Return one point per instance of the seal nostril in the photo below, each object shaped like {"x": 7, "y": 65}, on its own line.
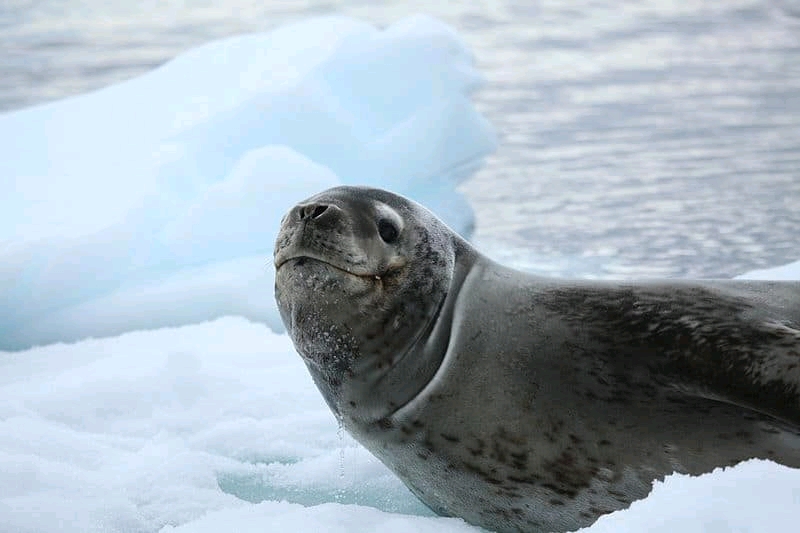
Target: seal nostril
{"x": 318, "y": 210}
{"x": 312, "y": 211}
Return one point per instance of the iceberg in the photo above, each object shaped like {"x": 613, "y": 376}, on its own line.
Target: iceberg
{"x": 155, "y": 202}
{"x": 787, "y": 271}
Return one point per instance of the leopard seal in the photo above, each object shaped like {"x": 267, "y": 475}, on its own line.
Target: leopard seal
{"x": 518, "y": 402}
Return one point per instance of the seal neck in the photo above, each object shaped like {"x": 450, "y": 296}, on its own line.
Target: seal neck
{"x": 374, "y": 394}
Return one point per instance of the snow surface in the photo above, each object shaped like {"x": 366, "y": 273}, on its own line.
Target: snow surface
{"x": 156, "y": 201}
{"x": 126, "y": 212}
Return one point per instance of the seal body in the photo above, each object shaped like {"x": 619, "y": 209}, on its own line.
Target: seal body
{"x": 522, "y": 403}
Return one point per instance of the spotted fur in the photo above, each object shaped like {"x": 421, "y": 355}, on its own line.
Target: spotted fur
{"x": 522, "y": 403}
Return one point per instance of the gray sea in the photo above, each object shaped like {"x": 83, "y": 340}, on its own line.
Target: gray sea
{"x": 638, "y": 138}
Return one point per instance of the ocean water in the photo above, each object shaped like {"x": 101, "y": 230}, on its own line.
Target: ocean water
{"x": 637, "y": 138}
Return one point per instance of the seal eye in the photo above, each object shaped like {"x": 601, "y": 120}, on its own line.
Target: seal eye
{"x": 387, "y": 231}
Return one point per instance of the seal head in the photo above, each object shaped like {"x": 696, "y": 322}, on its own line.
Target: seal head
{"x": 361, "y": 277}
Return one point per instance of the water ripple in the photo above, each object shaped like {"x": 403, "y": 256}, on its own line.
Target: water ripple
{"x": 639, "y": 138}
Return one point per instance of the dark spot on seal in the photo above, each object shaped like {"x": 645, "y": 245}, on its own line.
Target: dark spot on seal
{"x": 478, "y": 449}
{"x": 385, "y": 423}
{"x": 519, "y": 460}
{"x": 556, "y": 501}
{"x": 561, "y": 491}
{"x": 508, "y": 492}
{"x": 490, "y": 476}
{"x": 619, "y": 496}
{"x": 498, "y": 452}
{"x": 530, "y": 479}
{"x": 450, "y": 438}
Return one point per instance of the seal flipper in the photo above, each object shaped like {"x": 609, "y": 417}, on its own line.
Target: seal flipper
{"x": 731, "y": 341}
{"x": 724, "y": 351}
{"x": 763, "y": 376}
{"x": 737, "y": 352}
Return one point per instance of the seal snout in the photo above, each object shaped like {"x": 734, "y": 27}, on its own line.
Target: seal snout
{"x": 306, "y": 230}
{"x": 361, "y": 236}
{"x": 320, "y": 230}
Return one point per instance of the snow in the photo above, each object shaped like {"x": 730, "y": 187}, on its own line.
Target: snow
{"x": 124, "y": 220}
{"x": 162, "y": 427}
{"x": 217, "y": 426}
{"x": 156, "y": 202}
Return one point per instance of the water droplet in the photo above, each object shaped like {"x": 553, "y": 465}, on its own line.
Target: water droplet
{"x": 340, "y": 489}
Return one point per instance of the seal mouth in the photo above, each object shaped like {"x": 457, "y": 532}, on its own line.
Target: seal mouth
{"x": 302, "y": 259}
